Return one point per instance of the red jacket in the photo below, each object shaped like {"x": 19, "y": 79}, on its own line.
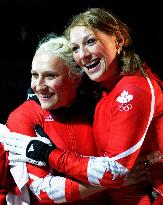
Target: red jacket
{"x": 127, "y": 124}
{"x": 67, "y": 132}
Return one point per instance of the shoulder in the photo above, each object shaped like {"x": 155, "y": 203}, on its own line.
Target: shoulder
{"x": 135, "y": 89}
{"x": 136, "y": 84}
{"x": 24, "y": 118}
{"x": 27, "y": 112}
{"x": 27, "y": 108}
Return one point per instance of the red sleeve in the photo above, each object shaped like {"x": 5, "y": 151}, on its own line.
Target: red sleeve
{"x": 59, "y": 189}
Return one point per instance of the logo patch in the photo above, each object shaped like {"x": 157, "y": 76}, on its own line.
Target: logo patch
{"x": 124, "y": 98}
{"x": 31, "y": 148}
{"x": 49, "y": 118}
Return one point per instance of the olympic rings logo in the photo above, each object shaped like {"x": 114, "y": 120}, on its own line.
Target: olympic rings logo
{"x": 125, "y": 107}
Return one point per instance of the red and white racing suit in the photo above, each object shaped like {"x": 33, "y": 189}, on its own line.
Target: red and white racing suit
{"x": 74, "y": 134}
{"x": 127, "y": 124}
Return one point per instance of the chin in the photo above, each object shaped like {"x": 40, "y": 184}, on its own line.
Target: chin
{"x": 46, "y": 106}
{"x": 95, "y": 78}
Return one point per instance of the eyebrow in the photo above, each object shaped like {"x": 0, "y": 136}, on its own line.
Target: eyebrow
{"x": 84, "y": 38}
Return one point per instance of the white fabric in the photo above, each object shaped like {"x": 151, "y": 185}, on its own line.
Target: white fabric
{"x": 20, "y": 175}
{"x": 53, "y": 186}
{"x": 97, "y": 166}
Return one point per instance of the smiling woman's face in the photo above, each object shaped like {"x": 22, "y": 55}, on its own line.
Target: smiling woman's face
{"x": 96, "y": 52}
{"x": 51, "y": 81}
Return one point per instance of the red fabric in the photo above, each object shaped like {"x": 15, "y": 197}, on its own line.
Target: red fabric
{"x": 6, "y": 180}
{"x": 158, "y": 200}
{"x": 120, "y": 126}
{"x": 73, "y": 135}
{"x": 74, "y": 195}
{"x": 73, "y": 160}
{"x": 3, "y": 197}
{"x": 135, "y": 195}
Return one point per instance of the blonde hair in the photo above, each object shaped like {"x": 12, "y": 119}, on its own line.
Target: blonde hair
{"x": 59, "y": 46}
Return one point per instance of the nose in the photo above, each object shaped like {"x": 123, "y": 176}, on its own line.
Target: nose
{"x": 84, "y": 52}
{"x": 40, "y": 85}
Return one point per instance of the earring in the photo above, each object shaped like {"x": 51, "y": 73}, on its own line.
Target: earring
{"x": 118, "y": 51}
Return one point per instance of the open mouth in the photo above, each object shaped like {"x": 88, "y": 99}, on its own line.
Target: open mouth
{"x": 45, "y": 97}
{"x": 94, "y": 66}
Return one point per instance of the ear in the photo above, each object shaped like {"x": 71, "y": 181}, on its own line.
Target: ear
{"x": 119, "y": 42}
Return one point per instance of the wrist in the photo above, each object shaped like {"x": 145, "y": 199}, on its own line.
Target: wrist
{"x": 46, "y": 154}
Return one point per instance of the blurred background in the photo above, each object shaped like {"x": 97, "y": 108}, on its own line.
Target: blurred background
{"x": 24, "y": 22}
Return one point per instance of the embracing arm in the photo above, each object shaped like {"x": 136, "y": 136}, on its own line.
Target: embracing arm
{"x": 56, "y": 189}
{"x": 124, "y": 142}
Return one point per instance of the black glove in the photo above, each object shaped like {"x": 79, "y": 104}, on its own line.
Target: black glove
{"x": 38, "y": 150}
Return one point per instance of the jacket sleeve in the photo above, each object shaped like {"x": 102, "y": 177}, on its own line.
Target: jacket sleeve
{"x": 131, "y": 114}
{"x": 47, "y": 187}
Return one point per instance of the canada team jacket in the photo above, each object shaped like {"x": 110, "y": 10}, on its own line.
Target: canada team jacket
{"x": 128, "y": 123}
{"x": 74, "y": 134}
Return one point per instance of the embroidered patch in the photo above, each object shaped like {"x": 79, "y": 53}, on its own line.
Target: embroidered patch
{"x": 124, "y": 98}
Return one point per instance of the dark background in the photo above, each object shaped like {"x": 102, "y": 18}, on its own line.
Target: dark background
{"x": 24, "y": 22}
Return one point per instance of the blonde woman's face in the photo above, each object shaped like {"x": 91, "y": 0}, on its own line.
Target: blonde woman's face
{"x": 51, "y": 81}
{"x": 95, "y": 52}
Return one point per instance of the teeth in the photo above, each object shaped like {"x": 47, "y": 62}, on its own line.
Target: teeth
{"x": 93, "y": 61}
{"x": 45, "y": 96}
{"x": 90, "y": 64}
{"x": 94, "y": 64}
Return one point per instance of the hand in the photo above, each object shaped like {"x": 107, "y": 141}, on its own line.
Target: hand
{"x": 139, "y": 173}
{"x": 35, "y": 150}
{"x": 136, "y": 175}
{"x": 150, "y": 159}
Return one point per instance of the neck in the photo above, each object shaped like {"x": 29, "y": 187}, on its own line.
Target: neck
{"x": 110, "y": 82}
